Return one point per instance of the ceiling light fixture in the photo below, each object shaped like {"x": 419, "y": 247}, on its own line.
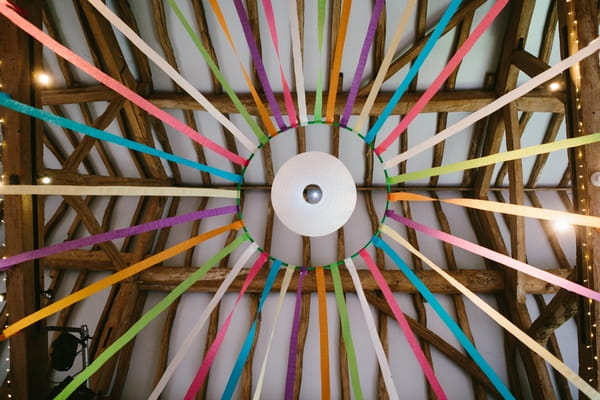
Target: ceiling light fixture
{"x": 43, "y": 78}
{"x": 561, "y": 225}
{"x": 554, "y": 86}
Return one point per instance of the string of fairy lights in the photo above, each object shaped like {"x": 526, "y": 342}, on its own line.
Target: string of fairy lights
{"x": 583, "y": 206}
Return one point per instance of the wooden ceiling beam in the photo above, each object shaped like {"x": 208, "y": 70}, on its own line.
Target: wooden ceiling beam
{"x": 538, "y": 100}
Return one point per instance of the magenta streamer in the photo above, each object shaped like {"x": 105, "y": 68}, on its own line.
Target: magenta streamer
{"x": 498, "y": 257}
{"x": 362, "y": 61}
{"x": 291, "y": 369}
{"x": 260, "y": 68}
{"x": 112, "y": 235}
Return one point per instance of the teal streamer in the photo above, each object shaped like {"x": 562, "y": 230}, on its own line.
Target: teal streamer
{"x": 445, "y": 317}
{"x": 236, "y": 373}
{"x": 34, "y": 112}
{"x": 435, "y": 35}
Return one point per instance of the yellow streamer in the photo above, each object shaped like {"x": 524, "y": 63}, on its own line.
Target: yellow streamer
{"x": 323, "y": 333}
{"x": 506, "y": 208}
{"x": 113, "y": 279}
{"x": 82, "y": 190}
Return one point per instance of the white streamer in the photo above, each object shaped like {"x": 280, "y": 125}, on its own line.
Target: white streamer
{"x": 500, "y": 102}
{"x": 386, "y": 372}
{"x": 191, "y": 337}
{"x": 172, "y": 73}
{"x": 285, "y": 283}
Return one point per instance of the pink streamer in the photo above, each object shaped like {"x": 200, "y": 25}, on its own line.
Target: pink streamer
{"x": 498, "y": 257}
{"x": 118, "y": 87}
{"x": 214, "y": 347}
{"x": 287, "y": 95}
{"x": 410, "y": 336}
{"x": 448, "y": 69}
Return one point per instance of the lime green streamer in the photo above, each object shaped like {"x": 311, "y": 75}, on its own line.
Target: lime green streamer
{"x": 147, "y": 318}
{"x": 215, "y": 69}
{"x": 496, "y": 158}
{"x": 319, "y": 89}
{"x": 346, "y": 334}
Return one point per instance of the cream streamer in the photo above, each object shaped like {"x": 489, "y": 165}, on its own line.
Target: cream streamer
{"x": 82, "y": 190}
{"x": 285, "y": 283}
{"x": 500, "y": 319}
{"x": 297, "y": 58}
{"x": 172, "y": 73}
{"x": 189, "y": 340}
{"x": 514, "y": 94}
{"x": 386, "y": 372}
{"x": 385, "y": 65}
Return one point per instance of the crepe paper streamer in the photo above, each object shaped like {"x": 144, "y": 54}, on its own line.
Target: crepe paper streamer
{"x": 498, "y": 257}
{"x": 113, "y": 279}
{"x": 285, "y": 283}
{"x": 346, "y": 332}
{"x": 441, "y": 78}
{"x": 257, "y": 58}
{"x": 138, "y": 42}
{"x": 84, "y": 190}
{"x": 287, "y": 96}
{"x": 236, "y": 373}
{"x": 5, "y": 263}
{"x": 211, "y": 353}
{"x": 385, "y": 65}
{"x": 149, "y": 317}
{"x": 323, "y": 333}
{"x": 293, "y": 350}
{"x": 497, "y": 104}
{"x": 118, "y": 87}
{"x": 319, "y": 89}
{"x": 334, "y": 73}
{"x": 412, "y": 72}
{"x": 506, "y": 208}
{"x": 384, "y": 366}
{"x": 190, "y": 339}
{"x": 38, "y": 113}
{"x": 404, "y": 326}
{"x": 297, "y": 59}
{"x": 262, "y": 110}
{"x": 500, "y": 319}
{"x": 497, "y": 158}
{"x": 362, "y": 60}
{"x": 217, "y": 72}
{"x": 445, "y": 317}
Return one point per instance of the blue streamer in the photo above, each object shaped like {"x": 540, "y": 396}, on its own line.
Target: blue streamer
{"x": 247, "y": 346}
{"x": 435, "y": 35}
{"x": 453, "y": 326}
{"x": 6, "y": 101}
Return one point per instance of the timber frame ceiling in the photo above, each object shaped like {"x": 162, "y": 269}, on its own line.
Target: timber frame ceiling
{"x": 527, "y": 38}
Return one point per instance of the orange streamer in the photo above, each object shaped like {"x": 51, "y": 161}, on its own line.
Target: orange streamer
{"x": 323, "y": 333}
{"x": 114, "y": 278}
{"x": 334, "y": 78}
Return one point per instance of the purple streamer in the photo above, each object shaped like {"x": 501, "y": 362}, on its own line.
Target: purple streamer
{"x": 362, "y": 61}
{"x": 260, "y": 68}
{"x": 116, "y": 234}
{"x": 291, "y": 369}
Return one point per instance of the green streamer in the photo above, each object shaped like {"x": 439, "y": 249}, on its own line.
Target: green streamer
{"x": 346, "y": 333}
{"x": 319, "y": 90}
{"x": 147, "y": 318}
{"x": 496, "y": 158}
{"x": 215, "y": 69}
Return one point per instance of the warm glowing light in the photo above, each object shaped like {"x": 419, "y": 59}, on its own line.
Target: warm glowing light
{"x": 554, "y": 86}
{"x": 43, "y": 79}
{"x": 561, "y": 225}
{"x": 45, "y": 180}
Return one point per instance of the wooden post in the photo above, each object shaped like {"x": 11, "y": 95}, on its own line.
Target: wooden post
{"x": 22, "y": 155}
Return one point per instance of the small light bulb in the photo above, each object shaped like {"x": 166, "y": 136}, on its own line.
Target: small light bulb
{"x": 561, "y": 225}
{"x": 43, "y": 79}
{"x": 554, "y": 86}
{"x": 45, "y": 180}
